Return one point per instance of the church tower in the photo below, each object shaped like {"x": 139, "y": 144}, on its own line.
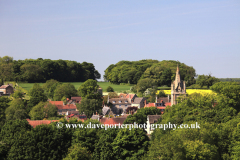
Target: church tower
{"x": 178, "y": 87}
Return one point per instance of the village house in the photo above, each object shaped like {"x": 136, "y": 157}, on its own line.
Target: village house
{"x": 6, "y": 90}
{"x": 62, "y": 108}
{"x": 78, "y": 117}
{"x": 120, "y": 105}
{"x": 138, "y": 102}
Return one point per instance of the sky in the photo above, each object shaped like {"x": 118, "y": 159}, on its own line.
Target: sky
{"x": 204, "y": 34}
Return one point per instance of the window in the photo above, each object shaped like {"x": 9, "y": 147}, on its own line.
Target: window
{"x": 120, "y": 101}
{"x": 113, "y": 101}
{"x": 119, "y": 106}
{"x": 125, "y": 105}
{"x": 126, "y": 101}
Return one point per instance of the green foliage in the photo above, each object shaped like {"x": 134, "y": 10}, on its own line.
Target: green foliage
{"x": 218, "y": 136}
{"x": 163, "y": 72}
{"x": 31, "y": 72}
{"x": 42, "y": 142}
{"x": 229, "y": 94}
{"x": 37, "y": 112}
{"x": 130, "y": 144}
{"x": 87, "y": 137}
{"x": 17, "y": 94}
{"x": 90, "y": 106}
{"x": 206, "y": 80}
{"x": 64, "y": 90}
{"x": 16, "y": 110}
{"x": 185, "y": 143}
{"x": 42, "y": 110}
{"x": 40, "y": 70}
{"x": 144, "y": 84}
{"x": 3, "y": 105}
{"x": 161, "y": 94}
{"x": 109, "y": 89}
{"x": 49, "y": 87}
{"x": 89, "y": 89}
{"x": 77, "y": 152}
{"x": 10, "y": 134}
{"x": 36, "y": 95}
{"x": 103, "y": 148}
{"x": 141, "y": 116}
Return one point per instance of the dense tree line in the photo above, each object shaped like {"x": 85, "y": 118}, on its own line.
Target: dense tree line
{"x": 218, "y": 136}
{"x": 162, "y": 72}
{"x": 40, "y": 70}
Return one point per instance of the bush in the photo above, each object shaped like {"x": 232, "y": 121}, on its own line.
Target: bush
{"x": 110, "y": 89}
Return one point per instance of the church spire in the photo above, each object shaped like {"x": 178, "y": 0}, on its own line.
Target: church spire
{"x": 177, "y": 77}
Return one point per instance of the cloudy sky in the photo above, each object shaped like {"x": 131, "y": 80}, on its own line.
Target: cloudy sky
{"x": 204, "y": 34}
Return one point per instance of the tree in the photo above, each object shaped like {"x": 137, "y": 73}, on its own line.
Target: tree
{"x": 42, "y": 142}
{"x": 207, "y": 80}
{"x": 87, "y": 137}
{"x": 49, "y": 87}
{"x": 89, "y": 89}
{"x": 143, "y": 84}
{"x": 42, "y": 110}
{"x": 130, "y": 144}
{"x": 37, "y": 95}
{"x": 77, "y": 152}
{"x": 67, "y": 89}
{"x": 37, "y": 112}
{"x": 6, "y": 59}
{"x": 6, "y": 71}
{"x": 110, "y": 89}
{"x": 50, "y": 110}
{"x": 228, "y": 94}
{"x": 16, "y": 110}
{"x": 141, "y": 116}
{"x": 3, "y": 105}
{"x": 90, "y": 106}
{"x": 17, "y": 94}
{"x": 31, "y": 72}
{"x": 161, "y": 94}
{"x": 103, "y": 148}
{"x": 10, "y": 134}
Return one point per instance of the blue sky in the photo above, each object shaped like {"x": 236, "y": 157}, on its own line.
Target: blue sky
{"x": 204, "y": 34}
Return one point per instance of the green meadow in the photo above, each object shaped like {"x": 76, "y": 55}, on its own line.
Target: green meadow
{"x": 103, "y": 85}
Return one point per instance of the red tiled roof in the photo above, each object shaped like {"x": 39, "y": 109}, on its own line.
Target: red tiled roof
{"x": 77, "y": 99}
{"x": 112, "y": 121}
{"x": 150, "y": 105}
{"x": 35, "y": 123}
{"x": 67, "y": 106}
{"x": 56, "y": 102}
{"x": 168, "y": 104}
{"x": 122, "y": 95}
{"x": 130, "y": 96}
{"x": 4, "y": 86}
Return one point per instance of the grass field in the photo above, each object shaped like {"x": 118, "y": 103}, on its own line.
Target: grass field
{"x": 103, "y": 85}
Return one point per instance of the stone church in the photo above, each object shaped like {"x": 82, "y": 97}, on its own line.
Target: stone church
{"x": 178, "y": 88}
